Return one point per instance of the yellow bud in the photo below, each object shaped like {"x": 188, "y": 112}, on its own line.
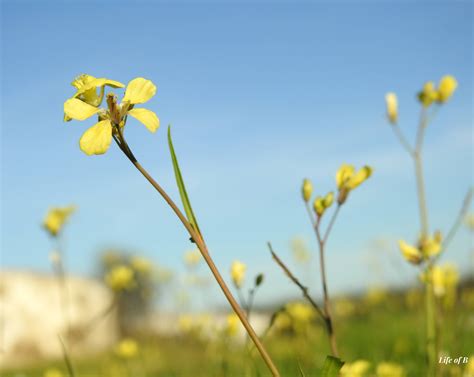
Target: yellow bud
{"x": 232, "y": 325}
{"x": 344, "y": 173}
{"x": 318, "y": 205}
{"x": 410, "y": 253}
{"x": 430, "y": 246}
{"x": 328, "y": 200}
{"x": 356, "y": 179}
{"x": 428, "y": 94}
{"x": 446, "y": 88}
{"x": 392, "y": 107}
{"x": 307, "y": 190}
{"x": 120, "y": 278}
{"x": 237, "y": 273}
{"x": 56, "y": 218}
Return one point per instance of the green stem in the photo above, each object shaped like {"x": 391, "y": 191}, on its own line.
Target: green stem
{"x": 431, "y": 343}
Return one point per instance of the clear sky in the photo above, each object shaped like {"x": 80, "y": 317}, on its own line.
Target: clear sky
{"x": 259, "y": 96}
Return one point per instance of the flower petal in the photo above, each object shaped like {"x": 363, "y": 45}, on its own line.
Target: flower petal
{"x": 139, "y": 90}
{"x": 410, "y": 253}
{"x": 97, "y": 139}
{"x": 147, "y": 117}
{"x": 359, "y": 177}
{"x": 76, "y": 109}
{"x": 344, "y": 173}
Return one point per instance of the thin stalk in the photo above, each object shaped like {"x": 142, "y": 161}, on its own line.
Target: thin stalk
{"x": 420, "y": 183}
{"x": 327, "y": 304}
{"x": 431, "y": 343}
{"x": 196, "y": 237}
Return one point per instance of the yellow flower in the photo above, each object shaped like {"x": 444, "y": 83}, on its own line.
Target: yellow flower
{"x": 386, "y": 369}
{"x": 237, "y": 273}
{"x": 192, "y": 257}
{"x": 444, "y": 278}
{"x": 431, "y": 246}
{"x": 392, "y": 107}
{"x": 120, "y": 278}
{"x": 127, "y": 348}
{"x": 141, "y": 264}
{"x": 410, "y": 253}
{"x": 232, "y": 324}
{"x": 428, "y": 94}
{"x": 446, "y": 88}
{"x": 56, "y": 218}
{"x": 300, "y": 312}
{"x": 185, "y": 323}
{"x": 53, "y": 372}
{"x": 321, "y": 204}
{"x": 358, "y": 368}
{"x": 97, "y": 139}
{"x": 348, "y": 179}
{"x": 469, "y": 369}
{"x": 306, "y": 190}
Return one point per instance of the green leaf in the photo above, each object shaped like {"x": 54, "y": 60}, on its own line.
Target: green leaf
{"x": 182, "y": 189}
{"x": 332, "y": 366}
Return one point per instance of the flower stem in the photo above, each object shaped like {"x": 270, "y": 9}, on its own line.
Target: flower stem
{"x": 196, "y": 237}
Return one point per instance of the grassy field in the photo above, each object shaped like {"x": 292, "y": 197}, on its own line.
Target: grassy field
{"x": 387, "y": 328}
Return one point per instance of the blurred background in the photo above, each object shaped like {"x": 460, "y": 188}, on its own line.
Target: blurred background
{"x": 259, "y": 97}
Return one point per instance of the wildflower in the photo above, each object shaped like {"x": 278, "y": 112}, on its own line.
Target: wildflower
{"x": 300, "y": 250}
{"x": 127, "y": 348}
{"x": 232, "y": 324}
{"x": 307, "y": 190}
{"x": 87, "y": 85}
{"x": 185, "y": 323}
{"x": 192, "y": 257}
{"x": 321, "y": 204}
{"x": 446, "y": 88}
{"x": 348, "y": 179}
{"x": 53, "y": 372}
{"x": 358, "y": 368}
{"x": 444, "y": 278}
{"x": 56, "y": 218}
{"x": 387, "y": 369}
{"x": 120, "y": 278}
{"x": 469, "y": 368}
{"x": 426, "y": 248}
{"x": 428, "y": 94}
{"x": 97, "y": 139}
{"x": 141, "y": 265}
{"x": 237, "y": 273}
{"x": 343, "y": 307}
{"x": 300, "y": 312}
{"x": 392, "y": 107}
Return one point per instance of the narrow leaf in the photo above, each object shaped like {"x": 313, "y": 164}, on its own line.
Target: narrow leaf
{"x": 182, "y": 189}
{"x": 301, "y": 370}
{"x": 332, "y": 366}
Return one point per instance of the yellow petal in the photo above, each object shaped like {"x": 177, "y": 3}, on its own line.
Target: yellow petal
{"x": 76, "y": 109}
{"x": 328, "y": 200}
{"x": 428, "y": 95}
{"x": 139, "y": 90}
{"x": 446, "y": 88}
{"x": 344, "y": 173}
{"x": 409, "y": 252}
{"x": 147, "y": 117}
{"x": 392, "y": 107}
{"x": 359, "y": 177}
{"x": 318, "y": 205}
{"x": 97, "y": 139}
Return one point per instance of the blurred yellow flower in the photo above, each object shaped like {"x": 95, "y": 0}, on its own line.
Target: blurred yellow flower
{"x": 469, "y": 368}
{"x": 192, "y": 257}
{"x": 322, "y": 203}
{"x": 185, "y": 323}
{"x": 53, "y": 372}
{"x": 232, "y": 324}
{"x": 387, "y": 369}
{"x": 348, "y": 179}
{"x": 392, "y": 107}
{"x": 376, "y": 295}
{"x": 444, "y": 277}
{"x": 358, "y": 368}
{"x": 120, "y": 277}
{"x": 97, "y": 139}
{"x": 410, "y": 253}
{"x": 300, "y": 312}
{"x": 56, "y": 218}
{"x": 344, "y": 307}
{"x": 446, "y": 88}
{"x": 127, "y": 348}
{"x": 306, "y": 190}
{"x": 428, "y": 94}
{"x": 237, "y": 273}
{"x": 141, "y": 264}
{"x": 299, "y": 250}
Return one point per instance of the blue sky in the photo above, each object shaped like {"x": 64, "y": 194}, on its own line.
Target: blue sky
{"x": 259, "y": 96}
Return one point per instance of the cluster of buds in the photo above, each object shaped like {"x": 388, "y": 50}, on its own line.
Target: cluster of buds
{"x": 426, "y": 248}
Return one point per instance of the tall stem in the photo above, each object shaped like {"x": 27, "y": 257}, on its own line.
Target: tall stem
{"x": 196, "y": 237}
{"x": 322, "y": 265}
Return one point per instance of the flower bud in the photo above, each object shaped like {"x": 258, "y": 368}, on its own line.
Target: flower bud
{"x": 392, "y": 107}
{"x": 307, "y": 190}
